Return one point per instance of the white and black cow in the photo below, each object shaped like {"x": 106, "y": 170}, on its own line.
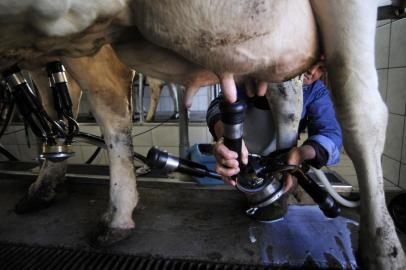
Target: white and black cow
{"x": 196, "y": 43}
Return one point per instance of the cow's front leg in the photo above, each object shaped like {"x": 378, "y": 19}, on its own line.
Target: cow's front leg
{"x": 155, "y": 88}
{"x": 42, "y": 192}
{"x": 117, "y": 222}
{"x": 108, "y": 83}
{"x": 348, "y": 32}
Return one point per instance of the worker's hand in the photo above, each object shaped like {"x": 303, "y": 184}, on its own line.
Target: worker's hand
{"x": 315, "y": 72}
{"x": 296, "y": 156}
{"x": 226, "y": 161}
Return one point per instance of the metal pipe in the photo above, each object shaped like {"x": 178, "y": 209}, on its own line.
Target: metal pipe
{"x": 183, "y": 124}
{"x": 141, "y": 96}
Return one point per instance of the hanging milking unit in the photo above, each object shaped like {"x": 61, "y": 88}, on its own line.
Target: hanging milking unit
{"x": 56, "y": 135}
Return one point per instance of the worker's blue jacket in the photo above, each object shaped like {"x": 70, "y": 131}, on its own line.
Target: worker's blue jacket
{"x": 318, "y": 116}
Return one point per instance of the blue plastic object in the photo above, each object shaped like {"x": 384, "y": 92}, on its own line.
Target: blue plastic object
{"x": 197, "y": 155}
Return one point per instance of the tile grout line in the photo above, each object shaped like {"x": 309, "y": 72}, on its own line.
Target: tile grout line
{"x": 391, "y": 158}
{"x": 390, "y": 35}
{"x": 391, "y": 67}
{"x": 386, "y": 179}
{"x": 387, "y": 84}
{"x": 402, "y": 146}
{"x": 387, "y": 90}
{"x": 395, "y": 113}
{"x": 387, "y": 71}
{"x": 384, "y": 24}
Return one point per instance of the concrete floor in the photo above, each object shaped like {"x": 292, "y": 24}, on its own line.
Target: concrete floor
{"x": 185, "y": 221}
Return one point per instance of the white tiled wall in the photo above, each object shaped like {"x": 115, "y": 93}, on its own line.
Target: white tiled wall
{"x": 142, "y": 139}
{"x": 382, "y": 46}
{"x": 383, "y": 82}
{"x": 394, "y": 136}
{"x": 83, "y": 151}
{"x": 15, "y": 142}
{"x": 347, "y": 171}
{"x": 167, "y": 137}
{"x": 390, "y": 169}
{"x": 396, "y": 95}
{"x": 397, "y": 44}
{"x": 404, "y": 146}
{"x": 391, "y": 65}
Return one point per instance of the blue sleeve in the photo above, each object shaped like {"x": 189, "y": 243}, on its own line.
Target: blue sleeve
{"x": 323, "y": 126}
{"x": 213, "y": 114}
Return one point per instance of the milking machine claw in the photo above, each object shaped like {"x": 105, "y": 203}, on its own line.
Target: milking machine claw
{"x": 261, "y": 181}
{"x": 56, "y": 135}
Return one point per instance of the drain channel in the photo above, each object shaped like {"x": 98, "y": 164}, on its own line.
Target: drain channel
{"x": 21, "y": 256}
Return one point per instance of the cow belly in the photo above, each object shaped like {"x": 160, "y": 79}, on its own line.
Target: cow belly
{"x": 148, "y": 58}
{"x": 242, "y": 37}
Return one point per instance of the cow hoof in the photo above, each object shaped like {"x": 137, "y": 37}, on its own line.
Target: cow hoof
{"x": 107, "y": 236}
{"x": 31, "y": 203}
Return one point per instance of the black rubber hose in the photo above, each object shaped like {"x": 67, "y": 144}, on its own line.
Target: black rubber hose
{"x": 93, "y": 156}
{"x": 7, "y": 154}
{"x": 9, "y": 116}
{"x": 326, "y": 203}
{"x": 92, "y": 139}
{"x": 140, "y": 157}
{"x": 98, "y": 141}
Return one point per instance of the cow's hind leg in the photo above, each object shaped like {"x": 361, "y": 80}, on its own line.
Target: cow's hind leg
{"x": 348, "y": 29}
{"x": 108, "y": 83}
{"x": 42, "y": 192}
